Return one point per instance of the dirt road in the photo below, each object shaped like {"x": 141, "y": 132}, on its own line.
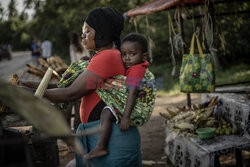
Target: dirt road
{"x": 153, "y": 133}
{"x": 9, "y": 67}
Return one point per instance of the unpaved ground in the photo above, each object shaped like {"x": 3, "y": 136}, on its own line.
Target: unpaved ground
{"x": 15, "y": 65}
{"x": 152, "y": 134}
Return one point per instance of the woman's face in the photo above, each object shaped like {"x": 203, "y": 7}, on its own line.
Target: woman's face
{"x": 88, "y": 36}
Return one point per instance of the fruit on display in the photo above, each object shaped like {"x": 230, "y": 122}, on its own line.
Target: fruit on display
{"x": 188, "y": 119}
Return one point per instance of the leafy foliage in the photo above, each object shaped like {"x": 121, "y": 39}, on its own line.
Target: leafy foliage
{"x": 56, "y": 20}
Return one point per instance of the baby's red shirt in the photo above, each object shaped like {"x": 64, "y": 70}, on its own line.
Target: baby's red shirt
{"x": 135, "y": 73}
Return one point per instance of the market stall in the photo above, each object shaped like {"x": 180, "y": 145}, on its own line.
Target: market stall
{"x": 229, "y": 118}
{"x": 184, "y": 147}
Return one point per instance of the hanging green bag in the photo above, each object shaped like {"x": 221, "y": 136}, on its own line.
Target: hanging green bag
{"x": 197, "y": 72}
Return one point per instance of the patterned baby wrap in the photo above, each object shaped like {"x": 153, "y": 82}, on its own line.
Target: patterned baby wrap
{"x": 115, "y": 92}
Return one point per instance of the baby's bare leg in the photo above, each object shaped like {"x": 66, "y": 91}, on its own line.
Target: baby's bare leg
{"x": 101, "y": 148}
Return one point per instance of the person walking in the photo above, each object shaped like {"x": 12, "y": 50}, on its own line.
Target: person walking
{"x": 35, "y": 51}
{"x": 46, "y": 49}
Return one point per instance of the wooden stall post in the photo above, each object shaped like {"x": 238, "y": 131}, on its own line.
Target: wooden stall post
{"x": 180, "y": 20}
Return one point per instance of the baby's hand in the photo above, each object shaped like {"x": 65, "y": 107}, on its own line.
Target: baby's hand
{"x": 124, "y": 123}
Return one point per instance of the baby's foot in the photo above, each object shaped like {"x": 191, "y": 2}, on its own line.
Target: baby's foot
{"x": 96, "y": 152}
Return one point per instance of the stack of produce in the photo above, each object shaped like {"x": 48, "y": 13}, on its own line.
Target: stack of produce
{"x": 188, "y": 119}
{"x": 54, "y": 62}
{"x": 14, "y": 80}
{"x": 224, "y": 128}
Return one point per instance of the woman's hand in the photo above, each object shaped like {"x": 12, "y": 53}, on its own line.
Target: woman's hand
{"x": 125, "y": 123}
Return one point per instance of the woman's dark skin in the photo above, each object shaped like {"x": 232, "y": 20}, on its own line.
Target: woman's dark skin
{"x": 34, "y": 85}
{"x": 78, "y": 88}
{"x": 75, "y": 91}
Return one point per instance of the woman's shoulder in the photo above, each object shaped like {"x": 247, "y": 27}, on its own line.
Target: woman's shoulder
{"x": 108, "y": 55}
{"x": 110, "y": 52}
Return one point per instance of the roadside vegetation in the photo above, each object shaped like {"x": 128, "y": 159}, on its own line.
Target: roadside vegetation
{"x": 228, "y": 34}
{"x": 235, "y": 73}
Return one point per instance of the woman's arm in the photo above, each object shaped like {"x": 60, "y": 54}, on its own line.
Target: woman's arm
{"x": 83, "y": 84}
{"x": 132, "y": 95}
{"x": 34, "y": 85}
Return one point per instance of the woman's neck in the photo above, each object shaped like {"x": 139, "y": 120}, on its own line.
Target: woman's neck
{"x": 109, "y": 46}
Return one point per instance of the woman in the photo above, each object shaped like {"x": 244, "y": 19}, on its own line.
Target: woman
{"x": 102, "y": 28}
{"x": 77, "y": 51}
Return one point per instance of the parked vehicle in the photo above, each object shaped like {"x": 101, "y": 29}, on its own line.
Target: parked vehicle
{"x": 5, "y": 52}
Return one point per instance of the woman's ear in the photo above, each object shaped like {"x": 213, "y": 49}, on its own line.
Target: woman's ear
{"x": 145, "y": 56}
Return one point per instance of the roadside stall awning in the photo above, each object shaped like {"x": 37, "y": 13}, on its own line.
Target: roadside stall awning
{"x": 156, "y": 6}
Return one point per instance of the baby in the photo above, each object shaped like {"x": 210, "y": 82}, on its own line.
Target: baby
{"x": 134, "y": 51}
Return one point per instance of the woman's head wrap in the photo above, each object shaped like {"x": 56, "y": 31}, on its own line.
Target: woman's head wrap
{"x": 108, "y": 25}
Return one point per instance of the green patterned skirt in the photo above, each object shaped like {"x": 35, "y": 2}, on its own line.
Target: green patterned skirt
{"x": 114, "y": 93}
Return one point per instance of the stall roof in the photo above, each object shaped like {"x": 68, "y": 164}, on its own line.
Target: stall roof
{"x": 156, "y": 6}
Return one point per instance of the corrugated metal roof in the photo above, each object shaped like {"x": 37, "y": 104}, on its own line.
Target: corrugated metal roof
{"x": 156, "y": 6}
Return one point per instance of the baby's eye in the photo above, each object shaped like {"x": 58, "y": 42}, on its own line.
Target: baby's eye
{"x": 132, "y": 54}
{"x": 123, "y": 54}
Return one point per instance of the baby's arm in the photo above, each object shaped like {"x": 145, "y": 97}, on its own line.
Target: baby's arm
{"x": 132, "y": 95}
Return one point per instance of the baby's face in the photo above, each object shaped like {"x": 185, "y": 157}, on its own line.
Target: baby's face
{"x": 88, "y": 36}
{"x": 131, "y": 53}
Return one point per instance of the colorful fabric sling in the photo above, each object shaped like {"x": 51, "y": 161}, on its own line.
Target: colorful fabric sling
{"x": 114, "y": 92}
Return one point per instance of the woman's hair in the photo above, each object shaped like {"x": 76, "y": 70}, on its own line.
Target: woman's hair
{"x": 136, "y": 37}
{"x": 76, "y": 41}
{"x": 108, "y": 25}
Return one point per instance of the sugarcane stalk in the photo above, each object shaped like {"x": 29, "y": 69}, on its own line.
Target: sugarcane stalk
{"x": 44, "y": 83}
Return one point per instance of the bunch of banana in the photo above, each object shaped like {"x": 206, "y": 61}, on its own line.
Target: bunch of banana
{"x": 224, "y": 128}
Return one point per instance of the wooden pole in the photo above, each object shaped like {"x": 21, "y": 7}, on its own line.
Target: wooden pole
{"x": 180, "y": 20}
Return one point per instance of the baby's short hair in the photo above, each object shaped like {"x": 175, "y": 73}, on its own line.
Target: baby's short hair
{"x": 136, "y": 37}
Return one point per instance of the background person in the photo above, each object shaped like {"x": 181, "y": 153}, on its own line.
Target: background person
{"x": 35, "y": 51}
{"x": 46, "y": 47}
{"x": 77, "y": 51}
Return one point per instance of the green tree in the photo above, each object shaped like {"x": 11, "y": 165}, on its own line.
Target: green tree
{"x": 12, "y": 9}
